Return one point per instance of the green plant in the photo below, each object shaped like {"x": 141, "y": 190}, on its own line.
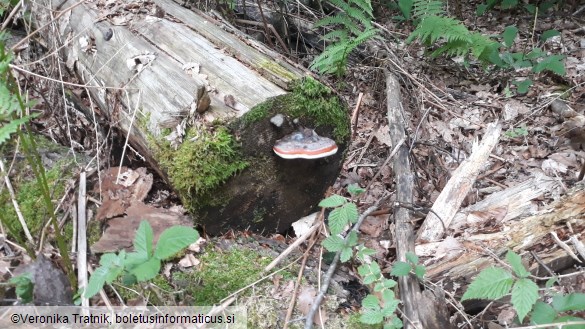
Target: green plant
{"x": 144, "y": 263}
{"x": 354, "y": 28}
{"x": 494, "y": 283}
{"x": 511, "y": 4}
{"x": 24, "y": 287}
{"x": 381, "y": 306}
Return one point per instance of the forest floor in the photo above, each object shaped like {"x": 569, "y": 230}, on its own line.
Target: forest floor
{"x": 448, "y": 101}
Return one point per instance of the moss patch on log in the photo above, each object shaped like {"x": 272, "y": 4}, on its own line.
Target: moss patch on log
{"x": 205, "y": 160}
{"x": 310, "y": 100}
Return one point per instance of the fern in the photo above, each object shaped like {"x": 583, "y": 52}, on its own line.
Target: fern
{"x": 353, "y": 26}
{"x": 425, "y": 8}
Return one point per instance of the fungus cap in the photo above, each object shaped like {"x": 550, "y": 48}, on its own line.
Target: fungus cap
{"x": 304, "y": 144}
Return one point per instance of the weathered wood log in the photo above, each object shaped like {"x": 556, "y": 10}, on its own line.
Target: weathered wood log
{"x": 196, "y": 99}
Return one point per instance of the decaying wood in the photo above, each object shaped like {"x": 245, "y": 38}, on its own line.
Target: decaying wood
{"x": 456, "y": 189}
{"x": 477, "y": 251}
{"x": 155, "y": 67}
{"x": 421, "y": 309}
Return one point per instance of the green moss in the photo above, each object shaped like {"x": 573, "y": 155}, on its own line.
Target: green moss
{"x": 221, "y": 274}
{"x": 30, "y": 201}
{"x": 200, "y": 164}
{"x": 277, "y": 69}
{"x": 309, "y": 99}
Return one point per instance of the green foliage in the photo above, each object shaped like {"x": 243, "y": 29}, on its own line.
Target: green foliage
{"x": 451, "y": 38}
{"x": 494, "y": 283}
{"x": 10, "y": 105}
{"x": 353, "y": 27}
{"x": 143, "y": 263}
{"x": 375, "y": 310}
{"x": 23, "y": 287}
{"x": 512, "y": 4}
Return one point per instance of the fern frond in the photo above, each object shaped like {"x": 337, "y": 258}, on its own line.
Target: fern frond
{"x": 453, "y": 48}
{"x": 365, "y": 36}
{"x": 425, "y": 8}
{"x": 11, "y": 127}
{"x": 482, "y": 46}
{"x": 341, "y": 19}
{"x": 336, "y": 35}
{"x": 432, "y": 28}
{"x": 358, "y": 15}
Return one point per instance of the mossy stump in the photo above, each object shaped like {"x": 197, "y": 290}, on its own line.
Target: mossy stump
{"x": 229, "y": 177}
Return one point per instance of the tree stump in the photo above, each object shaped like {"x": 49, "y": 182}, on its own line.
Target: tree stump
{"x": 196, "y": 98}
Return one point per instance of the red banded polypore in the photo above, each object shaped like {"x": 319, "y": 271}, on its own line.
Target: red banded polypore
{"x": 304, "y": 144}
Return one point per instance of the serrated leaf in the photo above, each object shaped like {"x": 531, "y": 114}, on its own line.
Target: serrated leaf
{"x": 371, "y": 302}
{"x": 516, "y": 262}
{"x": 492, "y": 283}
{"x": 354, "y": 189}
{"x": 400, "y": 269}
{"x": 143, "y": 240}
{"x": 411, "y": 257}
{"x": 522, "y": 86}
{"x": 388, "y": 295}
{"x": 346, "y": 254}
{"x": 372, "y": 317}
{"x": 419, "y": 271}
{"x": 334, "y": 243}
{"x": 337, "y": 223}
{"x": 390, "y": 307}
{"x": 524, "y": 295}
{"x": 384, "y": 284}
{"x": 147, "y": 270}
{"x": 174, "y": 239}
{"x": 570, "y": 302}
{"x": 96, "y": 281}
{"x": 549, "y": 34}
{"x": 349, "y": 212}
{"x": 551, "y": 63}
{"x": 542, "y": 313}
{"x": 509, "y": 34}
{"x": 332, "y": 201}
{"x": 363, "y": 252}
{"x": 352, "y": 238}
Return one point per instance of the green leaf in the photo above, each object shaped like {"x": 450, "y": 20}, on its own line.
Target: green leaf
{"x": 337, "y": 221}
{"x": 96, "y": 281}
{"x": 551, "y": 282}
{"x": 390, "y": 307}
{"x": 355, "y": 190}
{"x": 363, "y": 252}
{"x": 385, "y": 284}
{"x": 516, "y": 262}
{"x": 173, "y": 240}
{"x": 552, "y": 63}
{"x": 346, "y": 254}
{"x": 570, "y": 302}
{"x": 481, "y": 9}
{"x": 542, "y": 313}
{"x": 371, "y": 302}
{"x": 411, "y": 257}
{"x": 549, "y": 34}
{"x": 492, "y": 283}
{"x": 522, "y": 86}
{"x": 332, "y": 201}
{"x": 509, "y": 4}
{"x": 419, "y": 271}
{"x": 372, "y": 317}
{"x": 11, "y": 127}
{"x": 143, "y": 240}
{"x": 406, "y": 7}
{"x": 400, "y": 269}
{"x": 509, "y": 34}
{"x": 24, "y": 287}
{"x": 349, "y": 212}
{"x": 147, "y": 270}
{"x": 570, "y": 318}
{"x": 524, "y": 295}
{"x": 334, "y": 243}
{"x": 352, "y": 239}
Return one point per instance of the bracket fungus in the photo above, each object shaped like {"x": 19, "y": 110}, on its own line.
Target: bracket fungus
{"x": 304, "y": 144}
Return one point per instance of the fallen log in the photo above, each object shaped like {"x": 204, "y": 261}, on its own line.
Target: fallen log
{"x": 205, "y": 107}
